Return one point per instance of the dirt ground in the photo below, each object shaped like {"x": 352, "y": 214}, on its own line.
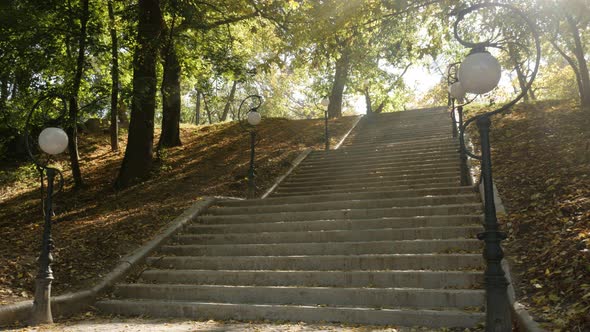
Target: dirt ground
{"x": 96, "y": 225}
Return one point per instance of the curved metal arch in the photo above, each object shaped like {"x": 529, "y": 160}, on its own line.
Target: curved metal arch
{"x": 532, "y": 27}
{"x": 255, "y": 108}
{"x": 60, "y": 119}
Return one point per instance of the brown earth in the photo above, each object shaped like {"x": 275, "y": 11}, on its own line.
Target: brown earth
{"x": 97, "y": 225}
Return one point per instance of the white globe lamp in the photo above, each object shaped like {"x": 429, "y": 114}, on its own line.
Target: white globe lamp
{"x": 480, "y": 72}
{"x": 325, "y": 101}
{"x": 53, "y": 140}
{"x": 457, "y": 91}
{"x": 254, "y": 118}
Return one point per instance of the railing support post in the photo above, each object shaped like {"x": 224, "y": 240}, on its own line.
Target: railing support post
{"x": 42, "y": 303}
{"x": 251, "y": 183}
{"x": 326, "y": 133}
{"x": 454, "y": 118}
{"x": 462, "y": 151}
{"x": 497, "y": 303}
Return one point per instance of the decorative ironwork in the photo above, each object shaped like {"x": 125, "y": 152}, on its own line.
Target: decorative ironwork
{"x": 245, "y": 123}
{"x": 497, "y": 304}
{"x": 42, "y": 303}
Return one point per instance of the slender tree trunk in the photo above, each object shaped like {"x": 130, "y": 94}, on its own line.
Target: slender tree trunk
{"x": 519, "y": 73}
{"x": 73, "y": 112}
{"x": 572, "y": 64}
{"x": 171, "y": 104}
{"x": 115, "y": 80}
{"x": 230, "y": 99}
{"x": 170, "y": 135}
{"x": 207, "y": 110}
{"x": 198, "y": 109}
{"x": 582, "y": 65}
{"x": 137, "y": 162}
{"x": 368, "y": 102}
{"x": 340, "y": 78}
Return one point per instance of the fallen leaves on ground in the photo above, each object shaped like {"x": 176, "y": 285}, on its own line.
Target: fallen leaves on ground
{"x": 97, "y": 225}
{"x": 541, "y": 165}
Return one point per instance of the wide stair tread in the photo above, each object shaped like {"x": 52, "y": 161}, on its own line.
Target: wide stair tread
{"x": 378, "y": 232}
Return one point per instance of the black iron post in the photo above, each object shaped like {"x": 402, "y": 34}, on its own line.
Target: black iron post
{"x": 498, "y": 313}
{"x": 248, "y": 121}
{"x": 326, "y": 133}
{"x": 497, "y": 303}
{"x": 41, "y": 304}
{"x": 454, "y": 118}
{"x": 251, "y": 175}
{"x": 465, "y": 179}
{"x": 41, "y": 313}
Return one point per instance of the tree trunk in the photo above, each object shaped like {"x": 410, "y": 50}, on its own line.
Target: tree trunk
{"x": 115, "y": 80}
{"x": 207, "y": 110}
{"x": 519, "y": 73}
{"x": 137, "y": 162}
{"x": 368, "y": 102}
{"x": 582, "y": 65}
{"x": 340, "y": 78}
{"x": 572, "y": 64}
{"x": 170, "y": 135}
{"x": 198, "y": 109}
{"x": 73, "y": 112}
{"x": 230, "y": 99}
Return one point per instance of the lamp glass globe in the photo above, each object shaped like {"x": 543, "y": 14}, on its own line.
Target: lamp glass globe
{"x": 53, "y": 140}
{"x": 254, "y": 118}
{"x": 325, "y": 101}
{"x": 479, "y": 73}
{"x": 457, "y": 90}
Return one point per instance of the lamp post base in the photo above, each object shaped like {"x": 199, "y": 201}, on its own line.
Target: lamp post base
{"x": 41, "y": 313}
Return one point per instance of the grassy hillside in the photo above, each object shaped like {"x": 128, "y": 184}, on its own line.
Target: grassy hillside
{"x": 97, "y": 225}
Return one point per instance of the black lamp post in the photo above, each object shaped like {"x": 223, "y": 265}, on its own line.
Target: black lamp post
{"x": 480, "y": 73}
{"x": 253, "y": 118}
{"x": 325, "y": 103}
{"x": 52, "y": 141}
{"x": 457, "y": 96}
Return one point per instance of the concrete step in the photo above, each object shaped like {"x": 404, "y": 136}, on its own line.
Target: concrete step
{"x": 344, "y": 214}
{"x": 328, "y": 248}
{"x": 312, "y": 313}
{"x": 345, "y": 197}
{"x": 407, "y": 144}
{"x": 401, "y": 138}
{"x": 349, "y": 204}
{"x": 364, "y": 297}
{"x": 382, "y": 149}
{"x": 285, "y": 193}
{"x": 372, "y": 178}
{"x": 402, "y": 135}
{"x": 368, "y": 279}
{"x": 382, "y": 234}
{"x": 449, "y": 179}
{"x": 367, "y": 173}
{"x": 439, "y": 262}
{"x": 361, "y": 166}
{"x": 410, "y": 156}
{"x": 317, "y": 225}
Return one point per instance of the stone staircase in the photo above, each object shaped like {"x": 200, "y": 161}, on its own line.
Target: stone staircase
{"x": 376, "y": 232}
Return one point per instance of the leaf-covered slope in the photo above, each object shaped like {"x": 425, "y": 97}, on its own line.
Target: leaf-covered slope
{"x": 97, "y": 225}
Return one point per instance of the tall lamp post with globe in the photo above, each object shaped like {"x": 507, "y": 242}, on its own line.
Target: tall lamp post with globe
{"x": 52, "y": 141}
{"x": 325, "y": 102}
{"x": 252, "y": 119}
{"x": 480, "y": 73}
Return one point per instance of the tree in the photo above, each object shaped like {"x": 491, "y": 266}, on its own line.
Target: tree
{"x": 137, "y": 161}
{"x": 114, "y": 78}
